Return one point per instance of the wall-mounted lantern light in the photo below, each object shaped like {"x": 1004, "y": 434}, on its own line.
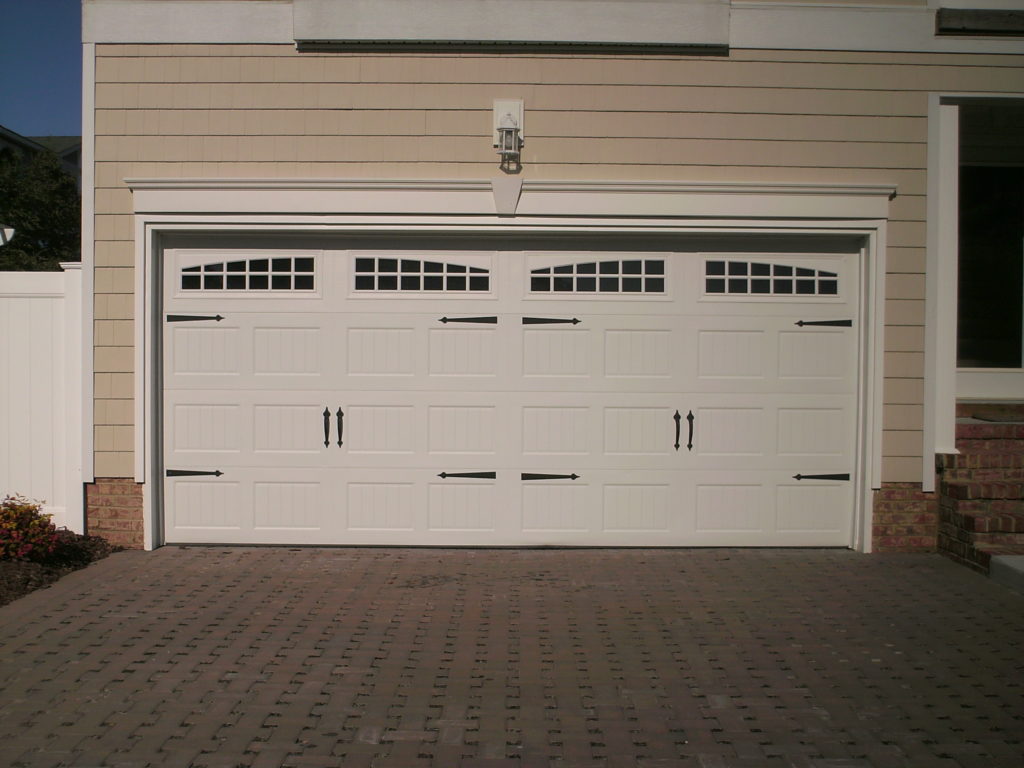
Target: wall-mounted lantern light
{"x": 508, "y": 133}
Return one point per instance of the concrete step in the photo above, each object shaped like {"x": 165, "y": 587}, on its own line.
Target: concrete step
{"x": 976, "y": 556}
{"x": 1008, "y": 570}
{"x": 973, "y": 489}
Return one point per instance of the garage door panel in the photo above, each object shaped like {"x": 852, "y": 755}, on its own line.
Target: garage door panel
{"x": 246, "y": 349}
{"x": 788, "y": 432}
{"x": 251, "y": 505}
{"x": 548, "y": 409}
{"x": 769, "y": 509}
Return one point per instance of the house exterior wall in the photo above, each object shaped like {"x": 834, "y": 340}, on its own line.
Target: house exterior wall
{"x": 267, "y": 111}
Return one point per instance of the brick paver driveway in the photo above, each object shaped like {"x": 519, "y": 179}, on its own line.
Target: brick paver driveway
{"x": 474, "y": 658}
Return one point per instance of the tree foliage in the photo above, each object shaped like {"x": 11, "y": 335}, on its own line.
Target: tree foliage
{"x": 41, "y": 202}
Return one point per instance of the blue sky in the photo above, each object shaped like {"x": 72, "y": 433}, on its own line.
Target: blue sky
{"x": 41, "y": 67}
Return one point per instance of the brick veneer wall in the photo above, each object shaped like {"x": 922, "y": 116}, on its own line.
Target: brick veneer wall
{"x": 906, "y": 519}
{"x": 113, "y": 510}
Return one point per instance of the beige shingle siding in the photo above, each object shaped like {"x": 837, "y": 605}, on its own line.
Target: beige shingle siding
{"x": 267, "y": 111}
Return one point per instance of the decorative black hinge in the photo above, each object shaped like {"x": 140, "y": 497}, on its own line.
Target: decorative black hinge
{"x": 489, "y": 320}
{"x": 474, "y": 475}
{"x": 550, "y": 320}
{"x": 822, "y": 477}
{"x": 192, "y": 318}
{"x": 835, "y": 323}
{"x": 192, "y": 473}
{"x": 534, "y": 476}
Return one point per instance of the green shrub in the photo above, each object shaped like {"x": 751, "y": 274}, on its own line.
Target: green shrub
{"x": 26, "y": 532}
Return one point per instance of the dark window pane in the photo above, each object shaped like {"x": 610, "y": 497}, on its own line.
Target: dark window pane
{"x": 563, "y": 284}
{"x": 654, "y": 285}
{"x": 609, "y": 268}
{"x": 632, "y": 267}
{"x": 783, "y": 286}
{"x": 780, "y": 270}
{"x": 805, "y": 287}
{"x": 822, "y": 273}
{"x": 364, "y": 282}
{"x": 213, "y": 282}
{"x": 304, "y": 265}
{"x": 714, "y": 268}
{"x": 588, "y": 268}
{"x": 478, "y": 270}
{"x": 459, "y": 268}
{"x": 410, "y": 265}
{"x": 654, "y": 267}
{"x": 989, "y": 305}
{"x": 632, "y": 284}
{"x": 479, "y": 283}
{"x": 433, "y": 283}
{"x": 737, "y": 285}
{"x": 364, "y": 265}
{"x": 760, "y": 269}
{"x": 828, "y": 287}
{"x": 433, "y": 266}
{"x": 565, "y": 269}
{"x": 260, "y": 282}
{"x": 191, "y": 269}
{"x": 191, "y": 282}
{"x": 546, "y": 271}
{"x": 586, "y": 284}
{"x": 282, "y": 265}
{"x": 804, "y": 272}
{"x": 456, "y": 283}
{"x": 760, "y": 286}
{"x": 259, "y": 265}
{"x": 387, "y": 265}
{"x": 609, "y": 285}
{"x": 281, "y": 282}
{"x": 236, "y": 266}
{"x": 714, "y": 285}
{"x": 540, "y": 284}
{"x": 236, "y": 282}
{"x": 387, "y": 283}
{"x": 213, "y": 268}
{"x": 304, "y": 282}
{"x": 737, "y": 267}
{"x": 410, "y": 282}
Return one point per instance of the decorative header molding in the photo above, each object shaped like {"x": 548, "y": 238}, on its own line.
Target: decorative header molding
{"x": 537, "y": 199}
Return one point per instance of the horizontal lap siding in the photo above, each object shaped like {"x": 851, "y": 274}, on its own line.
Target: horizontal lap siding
{"x": 267, "y": 111}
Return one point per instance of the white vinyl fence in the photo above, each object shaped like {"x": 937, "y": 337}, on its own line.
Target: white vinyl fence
{"x": 41, "y": 390}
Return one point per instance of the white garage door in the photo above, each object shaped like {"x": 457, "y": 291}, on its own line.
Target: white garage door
{"x": 457, "y": 397}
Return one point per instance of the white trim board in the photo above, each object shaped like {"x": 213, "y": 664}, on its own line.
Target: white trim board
{"x": 793, "y": 26}
{"x": 537, "y": 198}
{"x": 166, "y": 207}
{"x": 88, "y": 245}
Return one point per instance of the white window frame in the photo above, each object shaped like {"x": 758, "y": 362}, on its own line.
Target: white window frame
{"x": 944, "y": 382}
